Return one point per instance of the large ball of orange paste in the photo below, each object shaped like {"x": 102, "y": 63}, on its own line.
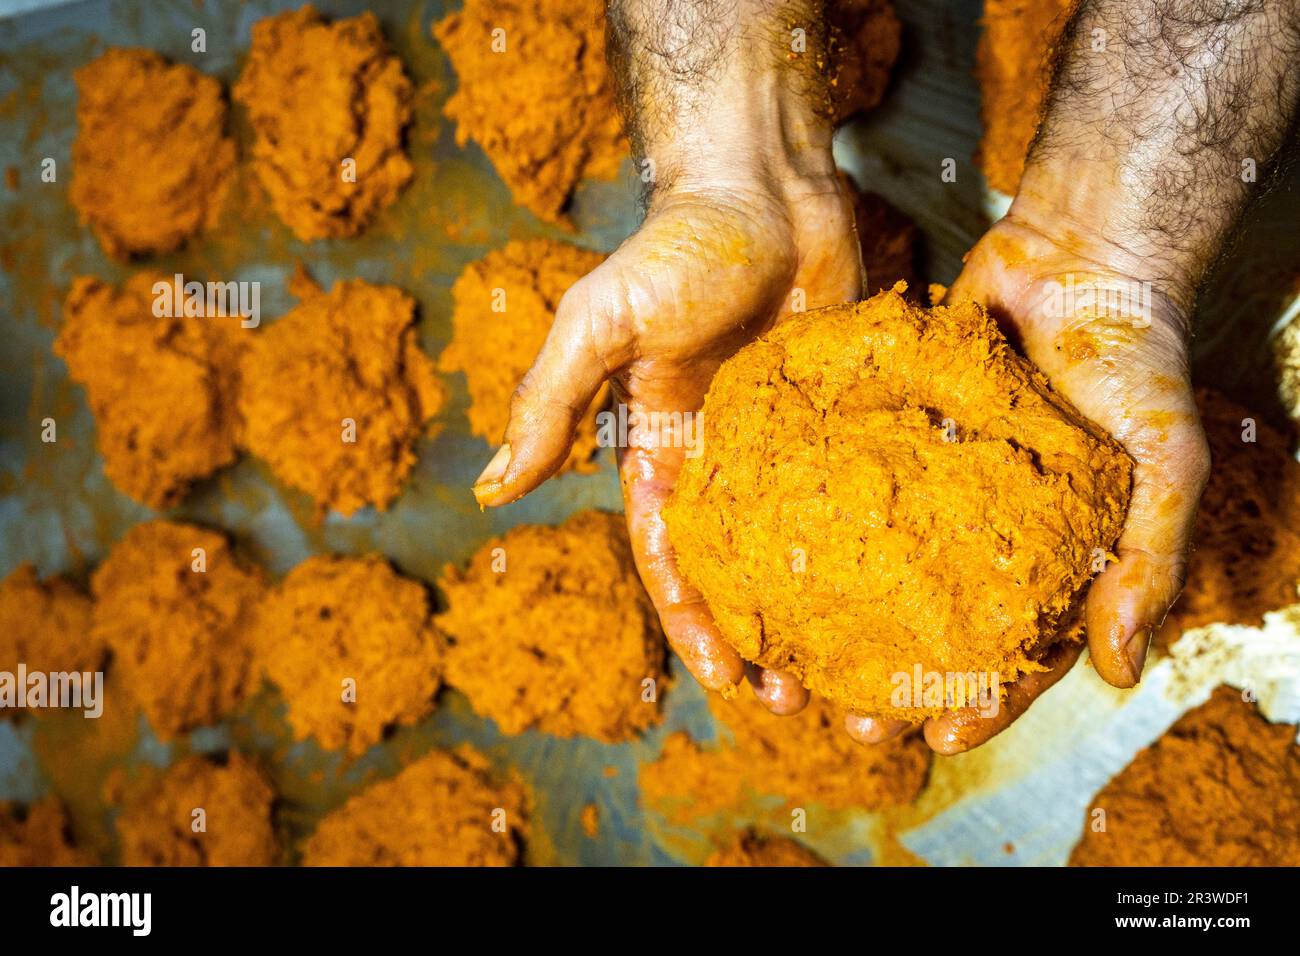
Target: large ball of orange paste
{"x": 884, "y": 487}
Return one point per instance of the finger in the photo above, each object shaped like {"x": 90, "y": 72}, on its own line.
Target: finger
{"x": 648, "y": 475}
{"x": 873, "y": 730}
{"x": 964, "y": 728}
{"x": 779, "y": 692}
{"x": 585, "y": 345}
{"x": 1128, "y": 602}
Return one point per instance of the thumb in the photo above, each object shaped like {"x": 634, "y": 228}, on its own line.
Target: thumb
{"x": 583, "y": 348}
{"x": 1127, "y": 603}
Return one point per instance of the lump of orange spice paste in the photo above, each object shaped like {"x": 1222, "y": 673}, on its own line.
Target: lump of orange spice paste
{"x": 151, "y": 162}
{"x": 1013, "y": 66}
{"x": 1245, "y": 558}
{"x": 445, "y": 809}
{"x": 752, "y": 847}
{"x": 550, "y": 628}
{"x": 353, "y": 649}
{"x": 536, "y": 96}
{"x": 45, "y": 625}
{"x": 159, "y": 824}
{"x": 39, "y": 834}
{"x": 175, "y": 607}
{"x": 328, "y": 104}
{"x": 864, "y": 38}
{"x": 885, "y": 487}
{"x": 1221, "y": 787}
{"x": 336, "y": 393}
{"x": 162, "y": 389}
{"x": 805, "y": 758}
{"x": 504, "y": 305}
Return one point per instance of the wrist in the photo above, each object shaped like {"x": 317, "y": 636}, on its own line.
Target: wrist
{"x": 750, "y": 127}
{"x": 1056, "y": 279}
{"x": 1082, "y": 206}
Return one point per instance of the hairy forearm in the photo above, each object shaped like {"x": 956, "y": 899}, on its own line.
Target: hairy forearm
{"x": 715, "y": 89}
{"x": 1159, "y": 113}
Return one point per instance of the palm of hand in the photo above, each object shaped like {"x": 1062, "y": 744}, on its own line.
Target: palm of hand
{"x": 1121, "y": 358}
{"x": 697, "y": 282}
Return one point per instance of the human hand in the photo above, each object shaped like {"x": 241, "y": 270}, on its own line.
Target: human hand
{"x": 714, "y": 265}
{"x": 1117, "y": 349}
{"x": 747, "y": 221}
{"x": 1151, "y": 144}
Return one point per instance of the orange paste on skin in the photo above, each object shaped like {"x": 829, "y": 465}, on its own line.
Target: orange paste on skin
{"x": 885, "y": 487}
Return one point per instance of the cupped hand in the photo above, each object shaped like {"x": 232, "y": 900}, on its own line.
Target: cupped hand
{"x": 1121, "y": 358}
{"x": 712, "y": 267}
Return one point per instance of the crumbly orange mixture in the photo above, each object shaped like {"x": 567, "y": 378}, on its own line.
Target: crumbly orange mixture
{"x": 865, "y": 37}
{"x": 337, "y": 392}
{"x": 175, "y": 607}
{"x": 162, "y": 389}
{"x": 1220, "y": 788}
{"x": 504, "y": 305}
{"x": 328, "y": 104}
{"x": 1013, "y": 68}
{"x": 151, "y": 162}
{"x": 202, "y": 812}
{"x": 752, "y": 847}
{"x": 885, "y": 487}
{"x": 353, "y": 649}
{"x": 39, "y": 835}
{"x": 45, "y": 625}
{"x": 550, "y": 628}
{"x": 806, "y": 758}
{"x": 536, "y": 95}
{"x": 445, "y": 809}
{"x": 1246, "y": 546}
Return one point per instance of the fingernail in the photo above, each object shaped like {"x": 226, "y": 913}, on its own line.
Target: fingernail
{"x": 1135, "y": 651}
{"x": 487, "y": 482}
